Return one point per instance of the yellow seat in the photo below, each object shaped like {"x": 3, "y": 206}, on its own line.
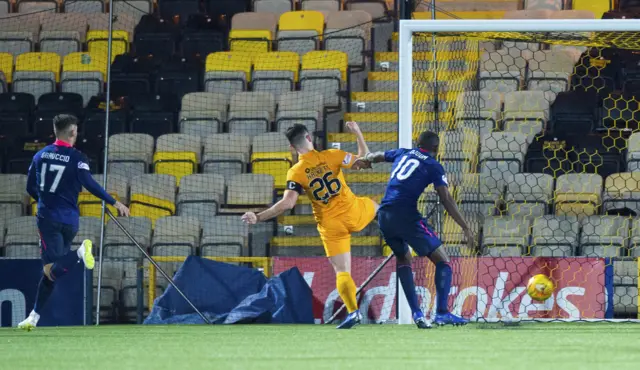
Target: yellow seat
{"x": 85, "y": 62}
{"x": 366, "y": 177}
{"x": 153, "y": 208}
{"x": 578, "y": 194}
{"x": 374, "y": 96}
{"x": 49, "y": 62}
{"x": 306, "y": 241}
{"x": 91, "y": 206}
{"x": 326, "y": 60}
{"x": 177, "y": 164}
{"x": 255, "y": 41}
{"x": 302, "y": 21}
{"x": 230, "y": 62}
{"x": 598, "y": 7}
{"x": 379, "y": 137}
{"x": 6, "y": 66}
{"x": 97, "y": 42}
{"x": 275, "y": 164}
{"x": 278, "y": 61}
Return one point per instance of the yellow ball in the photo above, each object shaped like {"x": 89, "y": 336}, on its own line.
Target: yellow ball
{"x": 540, "y": 287}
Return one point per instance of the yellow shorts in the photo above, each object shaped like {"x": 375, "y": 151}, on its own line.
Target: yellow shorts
{"x": 336, "y": 232}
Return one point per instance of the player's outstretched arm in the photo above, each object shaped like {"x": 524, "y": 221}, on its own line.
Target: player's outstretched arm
{"x": 287, "y": 202}
{"x": 363, "y": 149}
{"x": 94, "y": 188}
{"x": 452, "y": 209}
{"x": 377, "y": 157}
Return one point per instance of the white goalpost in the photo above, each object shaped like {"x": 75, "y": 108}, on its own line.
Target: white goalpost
{"x": 409, "y": 28}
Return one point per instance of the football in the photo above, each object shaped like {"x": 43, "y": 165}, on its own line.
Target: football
{"x": 540, "y": 287}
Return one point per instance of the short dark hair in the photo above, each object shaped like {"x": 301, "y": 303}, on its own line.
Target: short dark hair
{"x": 63, "y": 122}
{"x": 428, "y": 140}
{"x": 296, "y": 134}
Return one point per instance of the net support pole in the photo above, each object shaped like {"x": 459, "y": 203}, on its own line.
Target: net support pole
{"x": 105, "y": 160}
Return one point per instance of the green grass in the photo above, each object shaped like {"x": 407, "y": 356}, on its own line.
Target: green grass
{"x": 396, "y": 347}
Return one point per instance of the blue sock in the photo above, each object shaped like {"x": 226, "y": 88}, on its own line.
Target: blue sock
{"x": 45, "y": 288}
{"x": 443, "y": 286}
{"x": 64, "y": 264}
{"x": 406, "y": 278}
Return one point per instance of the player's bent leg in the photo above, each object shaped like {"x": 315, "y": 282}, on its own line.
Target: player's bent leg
{"x": 443, "y": 277}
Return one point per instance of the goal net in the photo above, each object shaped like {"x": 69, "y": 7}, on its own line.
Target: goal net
{"x": 537, "y": 122}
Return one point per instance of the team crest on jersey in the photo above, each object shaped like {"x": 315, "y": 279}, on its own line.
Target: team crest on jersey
{"x": 347, "y": 159}
{"x": 83, "y": 166}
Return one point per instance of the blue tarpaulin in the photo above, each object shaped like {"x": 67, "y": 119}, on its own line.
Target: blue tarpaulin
{"x": 229, "y": 294}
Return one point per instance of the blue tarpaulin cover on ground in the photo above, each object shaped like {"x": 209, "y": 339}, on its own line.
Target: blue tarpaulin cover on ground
{"x": 229, "y": 294}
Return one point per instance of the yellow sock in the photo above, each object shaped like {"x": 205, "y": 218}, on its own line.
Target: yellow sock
{"x": 347, "y": 290}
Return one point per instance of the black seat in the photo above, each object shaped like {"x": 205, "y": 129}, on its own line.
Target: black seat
{"x": 20, "y": 153}
{"x": 551, "y": 154}
{"x": 179, "y": 10}
{"x": 132, "y": 74}
{"x": 93, "y": 148}
{"x": 155, "y": 36}
{"x": 598, "y": 70}
{"x": 16, "y": 113}
{"x": 204, "y": 35}
{"x": 226, "y": 8}
{"x": 179, "y": 76}
{"x": 93, "y": 125}
{"x": 153, "y": 114}
{"x": 52, "y": 104}
{"x": 620, "y": 112}
{"x": 574, "y": 112}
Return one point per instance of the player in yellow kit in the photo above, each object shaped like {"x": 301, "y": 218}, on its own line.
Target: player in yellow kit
{"x": 336, "y": 209}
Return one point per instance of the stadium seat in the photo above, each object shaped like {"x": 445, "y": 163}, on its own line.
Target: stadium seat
{"x": 97, "y": 42}
{"x": 251, "y": 41}
{"x": 526, "y": 112}
{"x": 6, "y": 67}
{"x": 256, "y": 21}
{"x": 458, "y": 150}
{"x": 367, "y": 183}
{"x": 203, "y": 113}
{"x": 277, "y": 7}
{"x": 16, "y": 113}
{"x": 251, "y": 113}
{"x": 100, "y": 21}
{"x": 478, "y": 196}
{"x": 36, "y": 6}
{"x": 226, "y": 154}
{"x": 577, "y": 194}
{"x": 179, "y": 76}
{"x": 300, "y": 31}
{"x": 22, "y": 240}
{"x": 544, "y": 4}
{"x": 19, "y": 34}
{"x": 324, "y": 72}
{"x": 155, "y": 36}
{"x": 117, "y": 244}
{"x": 12, "y": 195}
{"x": 88, "y": 228}
{"x": 226, "y": 8}
{"x": 597, "y": 7}
{"x": 177, "y": 155}
{"x": 227, "y": 72}
{"x": 91, "y": 206}
{"x": 130, "y": 154}
{"x": 84, "y": 6}
{"x": 376, "y": 141}
{"x": 302, "y": 246}
{"x": 502, "y": 154}
{"x": 179, "y": 10}
{"x": 135, "y": 9}
{"x": 21, "y": 149}
{"x": 633, "y": 152}
{"x": 200, "y": 195}
{"x": 505, "y": 236}
{"x": 176, "y": 236}
{"x": 574, "y": 112}
{"x": 349, "y": 32}
{"x": 622, "y": 190}
{"x": 478, "y": 110}
{"x": 634, "y": 244}
{"x": 224, "y": 236}
{"x": 250, "y": 190}
{"x": 153, "y": 196}
{"x": 52, "y": 104}
{"x": 302, "y": 107}
{"x": 83, "y": 73}
{"x": 272, "y": 156}
{"x": 620, "y": 112}
{"x": 529, "y": 194}
{"x": 604, "y": 236}
{"x": 203, "y": 35}
{"x": 453, "y": 238}
{"x": 554, "y": 236}
{"x": 275, "y": 72}
{"x": 321, "y": 5}
{"x": 153, "y": 114}
{"x": 550, "y": 70}
{"x": 36, "y": 73}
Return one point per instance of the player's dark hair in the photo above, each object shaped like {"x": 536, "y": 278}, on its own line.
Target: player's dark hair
{"x": 63, "y": 122}
{"x": 296, "y": 134}
{"x": 428, "y": 140}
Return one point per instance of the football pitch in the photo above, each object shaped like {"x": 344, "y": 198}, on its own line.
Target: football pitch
{"x": 528, "y": 346}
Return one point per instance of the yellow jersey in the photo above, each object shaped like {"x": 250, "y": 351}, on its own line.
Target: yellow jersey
{"x": 320, "y": 176}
